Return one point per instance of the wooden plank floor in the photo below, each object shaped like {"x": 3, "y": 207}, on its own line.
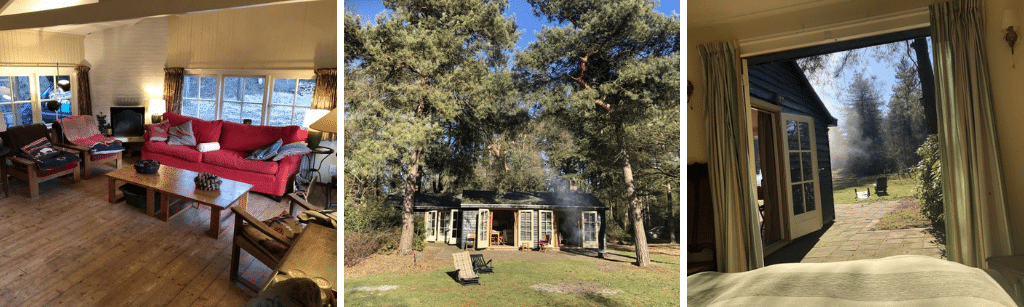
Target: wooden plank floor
{"x": 73, "y": 248}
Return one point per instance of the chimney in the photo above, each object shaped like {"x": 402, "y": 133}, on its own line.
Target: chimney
{"x": 572, "y": 185}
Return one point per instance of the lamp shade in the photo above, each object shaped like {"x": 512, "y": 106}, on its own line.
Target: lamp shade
{"x": 327, "y": 123}
{"x": 312, "y": 115}
{"x": 157, "y": 106}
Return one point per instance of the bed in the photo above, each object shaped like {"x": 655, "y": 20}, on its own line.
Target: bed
{"x": 909, "y": 280}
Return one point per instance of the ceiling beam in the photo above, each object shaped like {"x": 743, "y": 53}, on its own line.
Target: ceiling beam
{"x": 4, "y": 4}
{"x": 113, "y": 10}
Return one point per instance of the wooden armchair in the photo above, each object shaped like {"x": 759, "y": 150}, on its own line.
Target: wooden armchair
{"x": 247, "y": 240}
{"x": 26, "y": 169}
{"x": 70, "y": 129}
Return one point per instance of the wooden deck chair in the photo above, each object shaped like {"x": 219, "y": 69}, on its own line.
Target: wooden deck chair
{"x": 464, "y": 269}
{"x": 80, "y": 133}
{"x": 479, "y": 265}
{"x": 881, "y": 186}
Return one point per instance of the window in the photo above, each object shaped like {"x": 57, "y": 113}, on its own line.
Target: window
{"x": 290, "y": 100}
{"x": 242, "y": 99}
{"x": 590, "y": 229}
{"x": 526, "y": 226}
{"x": 273, "y": 99}
{"x": 200, "y": 97}
{"x": 49, "y": 92}
{"x": 546, "y": 226}
{"x": 16, "y": 100}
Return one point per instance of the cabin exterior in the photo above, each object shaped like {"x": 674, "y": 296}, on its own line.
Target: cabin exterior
{"x": 487, "y": 220}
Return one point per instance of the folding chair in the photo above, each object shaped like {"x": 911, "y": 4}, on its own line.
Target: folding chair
{"x": 479, "y": 265}
{"x": 464, "y": 268}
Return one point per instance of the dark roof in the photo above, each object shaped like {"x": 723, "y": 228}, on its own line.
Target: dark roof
{"x": 426, "y": 201}
{"x": 474, "y": 199}
{"x": 788, "y": 80}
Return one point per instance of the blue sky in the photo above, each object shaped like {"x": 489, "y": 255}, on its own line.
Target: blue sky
{"x": 527, "y": 23}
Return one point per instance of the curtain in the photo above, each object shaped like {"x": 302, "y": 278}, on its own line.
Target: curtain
{"x": 977, "y": 226}
{"x": 174, "y": 83}
{"x": 737, "y": 232}
{"x": 84, "y": 93}
{"x": 325, "y": 95}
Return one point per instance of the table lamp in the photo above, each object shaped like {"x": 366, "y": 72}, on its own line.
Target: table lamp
{"x": 157, "y": 107}
{"x": 314, "y": 116}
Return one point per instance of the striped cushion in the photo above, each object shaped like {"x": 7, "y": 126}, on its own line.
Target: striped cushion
{"x": 293, "y": 149}
{"x": 181, "y": 135}
{"x": 266, "y": 153}
{"x": 39, "y": 149}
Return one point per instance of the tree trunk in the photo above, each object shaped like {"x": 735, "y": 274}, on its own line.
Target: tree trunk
{"x": 411, "y": 187}
{"x": 408, "y": 220}
{"x": 924, "y": 74}
{"x": 639, "y": 236}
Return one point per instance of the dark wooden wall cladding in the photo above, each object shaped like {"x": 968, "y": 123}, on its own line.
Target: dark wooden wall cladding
{"x": 700, "y": 215}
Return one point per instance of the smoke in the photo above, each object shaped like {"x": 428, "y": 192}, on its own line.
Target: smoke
{"x": 569, "y": 219}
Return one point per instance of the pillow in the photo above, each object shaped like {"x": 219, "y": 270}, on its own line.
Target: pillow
{"x": 181, "y": 135}
{"x": 205, "y": 147}
{"x": 293, "y": 149}
{"x": 284, "y": 224}
{"x": 158, "y": 132}
{"x": 40, "y": 149}
{"x": 266, "y": 153}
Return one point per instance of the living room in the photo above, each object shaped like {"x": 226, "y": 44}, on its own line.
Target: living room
{"x": 70, "y": 245}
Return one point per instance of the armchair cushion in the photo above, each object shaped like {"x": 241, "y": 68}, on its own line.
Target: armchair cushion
{"x": 283, "y": 224}
{"x": 39, "y": 149}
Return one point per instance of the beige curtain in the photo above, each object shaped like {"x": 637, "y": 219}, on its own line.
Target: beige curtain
{"x": 737, "y": 233}
{"x": 325, "y": 95}
{"x": 84, "y": 93}
{"x": 977, "y": 226}
{"x": 174, "y": 84}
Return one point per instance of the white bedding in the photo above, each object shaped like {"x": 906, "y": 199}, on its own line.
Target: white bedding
{"x": 892, "y": 281}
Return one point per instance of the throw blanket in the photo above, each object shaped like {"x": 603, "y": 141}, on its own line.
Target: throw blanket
{"x": 893, "y": 281}
{"x": 82, "y": 131}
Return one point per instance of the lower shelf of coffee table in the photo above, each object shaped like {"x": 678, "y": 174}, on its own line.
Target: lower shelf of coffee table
{"x": 175, "y": 206}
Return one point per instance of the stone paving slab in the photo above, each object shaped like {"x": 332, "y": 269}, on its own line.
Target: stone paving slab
{"x": 851, "y": 237}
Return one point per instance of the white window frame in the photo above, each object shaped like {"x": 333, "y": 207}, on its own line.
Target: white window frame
{"x": 269, "y": 77}
{"x": 34, "y": 72}
{"x": 216, "y": 95}
{"x": 39, "y": 99}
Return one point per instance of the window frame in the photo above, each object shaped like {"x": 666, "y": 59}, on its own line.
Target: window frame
{"x": 33, "y": 72}
{"x": 269, "y": 76}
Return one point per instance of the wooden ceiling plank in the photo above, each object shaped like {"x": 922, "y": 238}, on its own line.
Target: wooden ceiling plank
{"x": 4, "y": 4}
{"x": 113, "y": 10}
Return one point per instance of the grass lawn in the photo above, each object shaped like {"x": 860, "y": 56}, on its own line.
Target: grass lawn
{"x": 510, "y": 285}
{"x": 842, "y": 189}
{"x": 906, "y": 214}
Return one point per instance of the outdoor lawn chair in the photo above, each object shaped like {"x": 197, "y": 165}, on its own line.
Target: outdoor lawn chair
{"x": 481, "y": 266}
{"x": 881, "y": 185}
{"x": 464, "y": 269}
{"x": 81, "y": 134}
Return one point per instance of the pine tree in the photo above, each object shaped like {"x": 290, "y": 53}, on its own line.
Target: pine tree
{"x": 905, "y": 126}
{"x": 864, "y": 119}
{"x": 610, "y": 72}
{"x": 437, "y": 69}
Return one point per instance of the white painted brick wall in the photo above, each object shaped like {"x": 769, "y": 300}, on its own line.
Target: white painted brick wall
{"x": 127, "y": 64}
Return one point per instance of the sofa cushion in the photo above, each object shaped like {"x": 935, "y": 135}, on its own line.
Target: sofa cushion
{"x": 247, "y": 138}
{"x": 236, "y": 160}
{"x": 181, "y": 152}
{"x": 265, "y": 153}
{"x": 158, "y": 132}
{"x": 204, "y": 130}
{"x": 181, "y": 135}
{"x": 293, "y": 149}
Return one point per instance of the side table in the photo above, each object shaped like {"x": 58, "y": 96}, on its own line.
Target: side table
{"x": 1012, "y": 267}
{"x": 307, "y": 179}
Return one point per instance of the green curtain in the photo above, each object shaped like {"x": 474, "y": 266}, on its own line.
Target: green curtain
{"x": 737, "y": 233}
{"x": 972, "y": 180}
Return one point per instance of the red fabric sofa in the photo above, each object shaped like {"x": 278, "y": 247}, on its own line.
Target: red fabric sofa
{"x": 237, "y": 141}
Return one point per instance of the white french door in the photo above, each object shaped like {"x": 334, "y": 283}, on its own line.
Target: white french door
{"x": 801, "y": 166}
{"x": 590, "y": 226}
{"x": 450, "y": 233}
{"x": 430, "y": 217}
{"x": 483, "y": 228}
{"x": 527, "y": 228}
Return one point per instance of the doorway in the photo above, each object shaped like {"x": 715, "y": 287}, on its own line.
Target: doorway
{"x": 766, "y": 163}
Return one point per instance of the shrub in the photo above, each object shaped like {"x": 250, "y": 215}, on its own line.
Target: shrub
{"x": 359, "y": 246}
{"x": 929, "y": 173}
{"x": 370, "y": 214}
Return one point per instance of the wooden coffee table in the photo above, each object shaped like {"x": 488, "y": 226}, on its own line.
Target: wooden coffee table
{"x": 178, "y": 182}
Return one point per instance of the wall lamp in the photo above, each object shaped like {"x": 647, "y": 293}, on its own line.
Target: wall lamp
{"x": 1011, "y": 35}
